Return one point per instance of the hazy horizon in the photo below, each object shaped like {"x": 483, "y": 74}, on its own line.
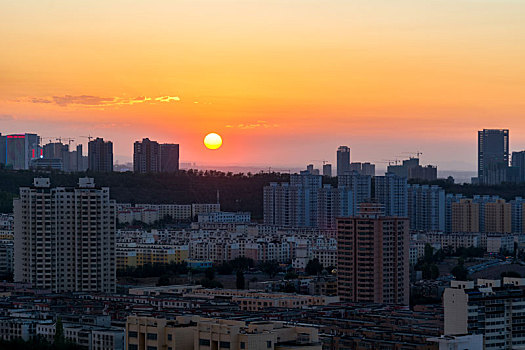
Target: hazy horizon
{"x": 283, "y": 82}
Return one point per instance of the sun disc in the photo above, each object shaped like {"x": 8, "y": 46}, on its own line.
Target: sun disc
{"x": 213, "y": 141}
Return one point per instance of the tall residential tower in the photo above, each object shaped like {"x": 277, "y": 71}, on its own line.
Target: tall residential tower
{"x": 373, "y": 257}
{"x": 65, "y": 237}
{"x": 100, "y": 156}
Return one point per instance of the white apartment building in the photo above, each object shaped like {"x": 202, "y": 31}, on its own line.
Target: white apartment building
{"x": 65, "y": 237}
{"x": 491, "y": 308}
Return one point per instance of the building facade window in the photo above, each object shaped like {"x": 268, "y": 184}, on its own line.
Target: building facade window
{"x": 204, "y": 342}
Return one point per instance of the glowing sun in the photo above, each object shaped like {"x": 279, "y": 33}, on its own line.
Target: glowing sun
{"x": 213, "y": 141}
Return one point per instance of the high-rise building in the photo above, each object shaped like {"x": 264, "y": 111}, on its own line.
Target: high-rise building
{"x": 169, "y": 157}
{"x": 65, "y": 237}
{"x": 152, "y": 157}
{"x": 449, "y": 200}
{"x": 343, "y": 160}
{"x": 18, "y": 150}
{"x": 146, "y": 156}
{"x": 426, "y": 208}
{"x": 360, "y": 185}
{"x": 368, "y": 169}
{"x": 425, "y": 173}
{"x": 100, "y": 156}
{"x": 355, "y": 167}
{"x": 306, "y": 179}
{"x": 465, "y": 216}
{"x": 412, "y": 170}
{"x": 305, "y": 202}
{"x": 493, "y": 156}
{"x": 498, "y": 217}
{"x": 483, "y": 201}
{"x": 518, "y": 209}
{"x": 518, "y": 162}
{"x": 327, "y": 170}
{"x": 391, "y": 191}
{"x": 57, "y": 153}
{"x": 373, "y": 257}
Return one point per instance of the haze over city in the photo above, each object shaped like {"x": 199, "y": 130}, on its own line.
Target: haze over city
{"x": 283, "y": 82}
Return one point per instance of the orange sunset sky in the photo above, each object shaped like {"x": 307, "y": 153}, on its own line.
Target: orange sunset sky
{"x": 284, "y": 82}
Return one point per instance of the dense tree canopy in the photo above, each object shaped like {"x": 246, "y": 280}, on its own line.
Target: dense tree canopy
{"x": 238, "y": 192}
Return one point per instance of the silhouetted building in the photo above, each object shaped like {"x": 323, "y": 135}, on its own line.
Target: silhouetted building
{"x": 100, "y": 155}
{"x": 169, "y": 157}
{"x": 343, "y": 160}
{"x": 146, "y": 156}
{"x": 518, "y": 162}
{"x": 373, "y": 257}
{"x": 411, "y": 169}
{"x": 152, "y": 157}
{"x": 493, "y": 156}
{"x": 426, "y": 173}
{"x": 55, "y": 152}
{"x": 327, "y": 170}
{"x": 18, "y": 150}
{"x": 368, "y": 169}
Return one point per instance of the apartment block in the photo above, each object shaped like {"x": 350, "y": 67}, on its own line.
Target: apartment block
{"x": 498, "y": 217}
{"x": 373, "y": 257}
{"x": 465, "y": 216}
{"x": 392, "y": 191}
{"x": 304, "y": 202}
{"x": 426, "y": 207}
{"x": 359, "y": 184}
{"x": 65, "y": 237}
{"x": 492, "y": 308}
{"x": 100, "y": 156}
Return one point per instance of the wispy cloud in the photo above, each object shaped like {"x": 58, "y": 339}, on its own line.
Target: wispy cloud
{"x": 90, "y": 101}
{"x": 82, "y": 100}
{"x": 259, "y": 124}
{"x": 167, "y": 98}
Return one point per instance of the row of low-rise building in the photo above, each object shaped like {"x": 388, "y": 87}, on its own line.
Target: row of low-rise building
{"x": 134, "y": 254}
{"x": 149, "y": 213}
{"x": 87, "y": 336}
{"x": 491, "y": 243}
{"x": 135, "y": 248}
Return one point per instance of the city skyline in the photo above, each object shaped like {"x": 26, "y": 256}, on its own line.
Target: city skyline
{"x": 382, "y": 78}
